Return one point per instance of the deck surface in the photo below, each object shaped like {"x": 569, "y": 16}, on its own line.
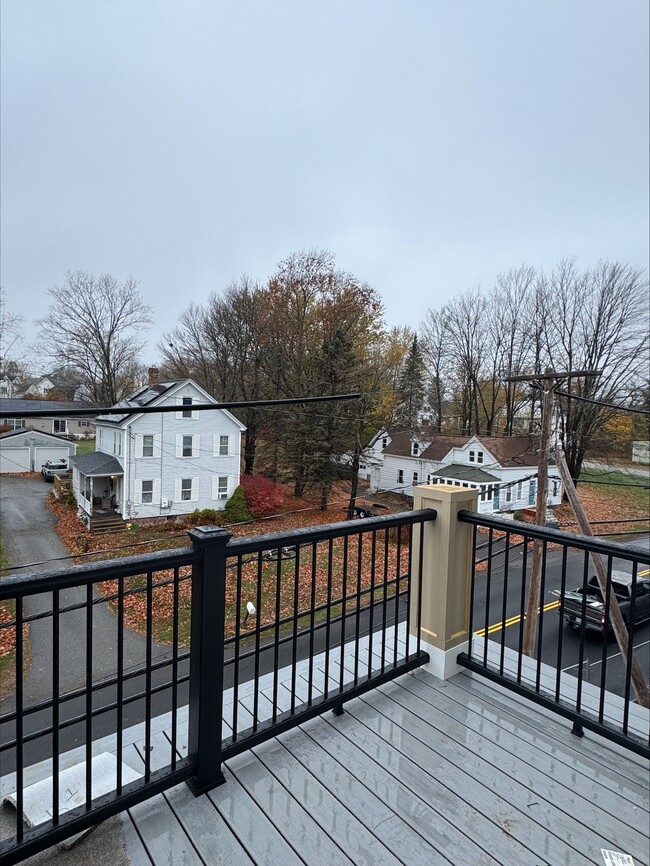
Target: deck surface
{"x": 417, "y": 771}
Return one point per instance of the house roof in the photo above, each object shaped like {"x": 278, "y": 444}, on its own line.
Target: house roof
{"x": 149, "y": 395}
{"x": 466, "y": 473}
{"x": 97, "y": 463}
{"x": 20, "y": 431}
{"x": 141, "y": 397}
{"x": 509, "y": 451}
{"x": 13, "y": 404}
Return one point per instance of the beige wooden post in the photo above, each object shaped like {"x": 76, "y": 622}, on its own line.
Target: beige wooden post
{"x": 446, "y": 575}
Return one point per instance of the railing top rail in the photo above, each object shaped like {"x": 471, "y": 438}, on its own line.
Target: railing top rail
{"x": 95, "y": 572}
{"x": 311, "y": 534}
{"x": 558, "y": 536}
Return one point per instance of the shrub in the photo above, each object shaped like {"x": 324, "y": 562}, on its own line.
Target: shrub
{"x": 263, "y": 496}
{"x": 236, "y": 509}
{"x": 520, "y": 515}
{"x": 205, "y": 516}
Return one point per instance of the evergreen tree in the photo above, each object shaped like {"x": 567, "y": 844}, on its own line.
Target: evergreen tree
{"x": 411, "y": 386}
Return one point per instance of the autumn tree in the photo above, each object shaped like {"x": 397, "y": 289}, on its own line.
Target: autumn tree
{"x": 11, "y": 334}
{"x": 95, "y": 324}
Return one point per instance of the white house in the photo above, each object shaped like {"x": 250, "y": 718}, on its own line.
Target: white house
{"x": 503, "y": 469}
{"x": 160, "y": 463}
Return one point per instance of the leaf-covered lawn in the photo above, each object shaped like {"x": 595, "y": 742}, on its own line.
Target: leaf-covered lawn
{"x": 77, "y": 539}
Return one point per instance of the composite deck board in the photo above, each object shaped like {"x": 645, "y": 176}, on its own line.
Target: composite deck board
{"x": 361, "y": 800}
{"x": 512, "y": 778}
{"x": 453, "y": 792}
{"x": 342, "y": 826}
{"x": 563, "y": 756}
{"x": 593, "y": 751}
{"x": 531, "y": 765}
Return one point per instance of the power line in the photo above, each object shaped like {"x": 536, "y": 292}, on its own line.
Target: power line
{"x": 603, "y": 403}
{"x": 195, "y": 407}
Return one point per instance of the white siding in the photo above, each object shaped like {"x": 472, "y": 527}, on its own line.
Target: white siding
{"x": 167, "y": 467}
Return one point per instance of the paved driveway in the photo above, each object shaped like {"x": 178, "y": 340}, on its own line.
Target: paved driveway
{"x": 28, "y": 532}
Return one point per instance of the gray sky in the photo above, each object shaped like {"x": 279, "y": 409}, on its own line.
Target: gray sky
{"x": 429, "y": 145}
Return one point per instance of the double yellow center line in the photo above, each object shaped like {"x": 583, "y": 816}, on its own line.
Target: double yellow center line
{"x": 515, "y": 619}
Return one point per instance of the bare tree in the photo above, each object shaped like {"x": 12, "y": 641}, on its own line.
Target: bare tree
{"x": 11, "y": 332}
{"x": 597, "y": 321}
{"x": 95, "y": 324}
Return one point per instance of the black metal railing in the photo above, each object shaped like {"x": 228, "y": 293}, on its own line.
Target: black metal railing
{"x": 576, "y": 667}
{"x": 175, "y": 661}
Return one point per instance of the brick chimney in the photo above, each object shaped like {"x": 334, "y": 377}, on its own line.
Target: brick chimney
{"x": 153, "y": 375}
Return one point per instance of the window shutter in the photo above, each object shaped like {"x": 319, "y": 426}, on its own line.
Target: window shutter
{"x": 156, "y": 445}
{"x": 195, "y": 488}
{"x": 138, "y": 444}
{"x": 215, "y": 446}
{"x": 137, "y": 491}
{"x": 156, "y": 491}
{"x": 179, "y": 412}
{"x": 231, "y": 444}
{"x": 195, "y": 413}
{"x": 196, "y": 445}
{"x": 177, "y": 490}
{"x": 215, "y": 486}
{"x": 179, "y": 444}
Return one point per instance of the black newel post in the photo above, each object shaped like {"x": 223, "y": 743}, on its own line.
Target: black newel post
{"x": 206, "y": 657}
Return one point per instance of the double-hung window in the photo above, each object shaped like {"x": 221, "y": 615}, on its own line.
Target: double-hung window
{"x": 147, "y": 492}
{"x": 186, "y": 489}
{"x": 415, "y": 478}
{"x": 400, "y": 476}
{"x": 223, "y": 446}
{"x": 222, "y": 487}
{"x": 59, "y": 425}
{"x": 187, "y": 413}
{"x": 187, "y": 446}
{"x": 147, "y": 445}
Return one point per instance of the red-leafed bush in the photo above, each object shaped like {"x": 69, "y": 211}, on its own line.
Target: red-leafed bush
{"x": 263, "y": 496}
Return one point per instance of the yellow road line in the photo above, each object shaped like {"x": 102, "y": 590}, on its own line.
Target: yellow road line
{"x": 643, "y": 573}
{"x": 512, "y": 620}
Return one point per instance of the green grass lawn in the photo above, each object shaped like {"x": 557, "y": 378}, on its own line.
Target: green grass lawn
{"x": 85, "y": 446}
{"x": 627, "y": 496}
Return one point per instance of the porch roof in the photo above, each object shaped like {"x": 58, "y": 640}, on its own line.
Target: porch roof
{"x": 466, "y": 473}
{"x": 97, "y": 464}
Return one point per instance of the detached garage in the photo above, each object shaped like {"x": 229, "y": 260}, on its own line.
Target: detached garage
{"x": 26, "y": 449}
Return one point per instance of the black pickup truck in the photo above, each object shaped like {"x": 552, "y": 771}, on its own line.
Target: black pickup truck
{"x": 571, "y": 603}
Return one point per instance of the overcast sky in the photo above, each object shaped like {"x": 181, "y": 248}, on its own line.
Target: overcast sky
{"x": 429, "y": 145}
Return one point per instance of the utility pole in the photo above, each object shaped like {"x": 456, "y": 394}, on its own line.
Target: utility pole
{"x": 548, "y": 381}
{"x": 615, "y": 616}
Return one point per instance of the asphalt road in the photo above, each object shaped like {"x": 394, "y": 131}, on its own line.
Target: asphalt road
{"x": 567, "y": 654}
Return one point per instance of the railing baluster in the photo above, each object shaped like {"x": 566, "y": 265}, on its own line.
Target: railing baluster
{"x": 371, "y": 616}
{"x": 540, "y": 619}
{"x": 398, "y": 589}
{"x": 472, "y": 592}
{"x": 418, "y": 645}
{"x": 56, "y": 660}
{"x": 581, "y": 654}
{"x": 630, "y": 648}
{"x": 344, "y": 613}
{"x": 258, "y": 637}
{"x": 606, "y": 626}
{"x": 522, "y": 608}
{"x": 174, "y": 734}
{"x": 89, "y": 695}
{"x": 409, "y": 589}
{"x": 120, "y": 682}
{"x": 328, "y": 615}
{"x": 560, "y": 637}
{"x": 147, "y": 700}
{"x": 294, "y": 636}
{"x": 235, "y": 682}
{"x": 488, "y": 597}
{"x": 504, "y": 607}
{"x": 357, "y": 624}
{"x": 384, "y": 608}
{"x": 314, "y": 563}
{"x": 276, "y": 651}
{"x": 19, "y": 718}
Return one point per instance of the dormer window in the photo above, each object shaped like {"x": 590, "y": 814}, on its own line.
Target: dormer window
{"x": 415, "y": 449}
{"x": 384, "y": 442}
{"x": 475, "y": 456}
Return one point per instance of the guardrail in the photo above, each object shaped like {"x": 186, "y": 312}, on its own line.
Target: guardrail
{"x": 215, "y": 621}
{"x": 570, "y": 640}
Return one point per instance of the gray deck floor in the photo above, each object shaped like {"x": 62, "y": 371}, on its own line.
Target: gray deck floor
{"x": 418, "y": 771}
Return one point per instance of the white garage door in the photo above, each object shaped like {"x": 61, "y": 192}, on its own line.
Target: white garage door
{"x": 42, "y": 454}
{"x": 14, "y": 460}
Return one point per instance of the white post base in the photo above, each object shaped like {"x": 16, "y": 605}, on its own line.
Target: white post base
{"x": 443, "y": 664}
